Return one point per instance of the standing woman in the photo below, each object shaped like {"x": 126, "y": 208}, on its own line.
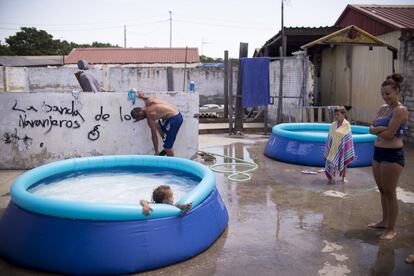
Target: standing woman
{"x": 388, "y": 163}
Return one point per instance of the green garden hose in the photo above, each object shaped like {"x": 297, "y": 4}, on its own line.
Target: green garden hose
{"x": 231, "y": 168}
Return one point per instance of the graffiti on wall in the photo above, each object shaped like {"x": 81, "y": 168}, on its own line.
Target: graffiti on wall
{"x": 51, "y": 116}
{"x": 13, "y": 137}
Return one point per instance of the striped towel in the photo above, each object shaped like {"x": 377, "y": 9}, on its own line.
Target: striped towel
{"x": 339, "y": 148}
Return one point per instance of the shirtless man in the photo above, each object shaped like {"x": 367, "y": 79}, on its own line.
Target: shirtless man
{"x": 162, "y": 117}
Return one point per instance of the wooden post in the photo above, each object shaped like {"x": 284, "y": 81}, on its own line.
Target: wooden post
{"x": 280, "y": 99}
{"x": 226, "y": 84}
{"x": 298, "y": 114}
{"x": 327, "y": 115}
{"x": 266, "y": 109}
{"x": 185, "y": 68}
{"x": 231, "y": 100}
{"x": 170, "y": 79}
{"x": 265, "y": 119}
{"x": 238, "y": 126}
{"x": 320, "y": 115}
{"x": 312, "y": 115}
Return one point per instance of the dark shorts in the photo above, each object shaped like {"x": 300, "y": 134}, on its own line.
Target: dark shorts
{"x": 389, "y": 155}
{"x": 170, "y": 127}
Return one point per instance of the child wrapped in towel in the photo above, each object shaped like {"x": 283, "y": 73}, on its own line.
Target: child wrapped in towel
{"x": 339, "y": 147}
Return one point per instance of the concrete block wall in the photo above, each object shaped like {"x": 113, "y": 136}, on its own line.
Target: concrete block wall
{"x": 407, "y": 70}
{"x": 125, "y": 78}
{"x": 37, "y": 128}
{"x": 209, "y": 81}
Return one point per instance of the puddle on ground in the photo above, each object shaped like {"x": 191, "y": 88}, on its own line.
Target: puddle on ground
{"x": 331, "y": 246}
{"x": 334, "y": 270}
{"x": 403, "y": 195}
{"x": 337, "y": 269}
{"x": 333, "y": 193}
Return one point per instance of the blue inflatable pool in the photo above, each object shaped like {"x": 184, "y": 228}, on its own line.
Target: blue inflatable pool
{"x": 91, "y": 238}
{"x": 304, "y": 143}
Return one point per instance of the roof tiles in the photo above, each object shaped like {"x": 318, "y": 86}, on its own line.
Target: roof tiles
{"x": 395, "y": 16}
{"x": 133, "y": 55}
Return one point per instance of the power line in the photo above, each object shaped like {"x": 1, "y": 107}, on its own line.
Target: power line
{"x": 224, "y": 26}
{"x": 170, "y": 28}
{"x": 92, "y": 29}
{"x": 222, "y": 20}
{"x": 77, "y": 24}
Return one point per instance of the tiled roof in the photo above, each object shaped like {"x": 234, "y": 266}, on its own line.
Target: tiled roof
{"x": 133, "y": 55}
{"x": 396, "y": 16}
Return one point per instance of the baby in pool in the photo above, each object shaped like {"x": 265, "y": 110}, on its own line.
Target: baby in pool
{"x": 163, "y": 194}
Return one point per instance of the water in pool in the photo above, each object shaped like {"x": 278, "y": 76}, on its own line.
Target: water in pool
{"x": 114, "y": 186}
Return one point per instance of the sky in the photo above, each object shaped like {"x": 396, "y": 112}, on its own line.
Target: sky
{"x": 212, "y": 26}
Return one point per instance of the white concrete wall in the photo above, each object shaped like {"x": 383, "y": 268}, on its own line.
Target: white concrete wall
{"x": 209, "y": 81}
{"x": 61, "y": 79}
{"x": 2, "y": 79}
{"x": 33, "y": 131}
{"x": 146, "y": 79}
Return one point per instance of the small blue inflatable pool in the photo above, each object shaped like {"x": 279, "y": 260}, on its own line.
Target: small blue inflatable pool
{"x": 86, "y": 238}
{"x": 304, "y": 143}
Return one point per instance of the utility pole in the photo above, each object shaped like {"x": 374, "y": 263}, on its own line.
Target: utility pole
{"x": 124, "y": 36}
{"x": 283, "y": 31}
{"x": 170, "y": 28}
{"x": 185, "y": 68}
{"x": 282, "y": 54}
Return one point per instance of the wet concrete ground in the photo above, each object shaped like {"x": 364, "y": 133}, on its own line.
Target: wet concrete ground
{"x": 283, "y": 222}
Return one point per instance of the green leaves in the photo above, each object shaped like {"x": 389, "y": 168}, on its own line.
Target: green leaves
{"x": 32, "y": 42}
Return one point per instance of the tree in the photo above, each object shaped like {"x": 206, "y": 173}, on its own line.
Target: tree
{"x": 97, "y": 44}
{"x": 5, "y": 51}
{"x": 33, "y": 42}
{"x": 205, "y": 59}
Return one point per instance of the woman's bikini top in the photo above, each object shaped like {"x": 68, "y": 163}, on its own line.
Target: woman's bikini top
{"x": 385, "y": 121}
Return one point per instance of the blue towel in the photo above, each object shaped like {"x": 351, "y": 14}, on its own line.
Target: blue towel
{"x": 255, "y": 81}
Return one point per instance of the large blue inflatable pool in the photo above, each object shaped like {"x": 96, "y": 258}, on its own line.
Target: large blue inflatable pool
{"x": 304, "y": 143}
{"x": 91, "y": 238}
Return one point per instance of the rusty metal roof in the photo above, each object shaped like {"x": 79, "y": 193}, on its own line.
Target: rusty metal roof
{"x": 295, "y": 37}
{"x": 133, "y": 55}
{"x": 395, "y": 16}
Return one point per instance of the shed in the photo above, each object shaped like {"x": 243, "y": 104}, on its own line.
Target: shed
{"x": 359, "y": 69}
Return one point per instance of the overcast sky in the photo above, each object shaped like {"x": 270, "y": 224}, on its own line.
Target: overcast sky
{"x": 210, "y": 25}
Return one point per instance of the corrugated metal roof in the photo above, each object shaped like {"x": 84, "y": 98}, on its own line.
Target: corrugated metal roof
{"x": 133, "y": 55}
{"x": 395, "y": 16}
{"x": 28, "y": 61}
{"x": 295, "y": 37}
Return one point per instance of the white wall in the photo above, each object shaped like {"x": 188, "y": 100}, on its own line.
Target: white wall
{"x": 209, "y": 81}
{"x": 54, "y": 136}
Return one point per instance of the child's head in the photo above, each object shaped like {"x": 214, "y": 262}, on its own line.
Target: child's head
{"x": 163, "y": 194}
{"x": 340, "y": 113}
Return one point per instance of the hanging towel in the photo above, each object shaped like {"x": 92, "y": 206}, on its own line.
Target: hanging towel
{"x": 255, "y": 81}
{"x": 339, "y": 148}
